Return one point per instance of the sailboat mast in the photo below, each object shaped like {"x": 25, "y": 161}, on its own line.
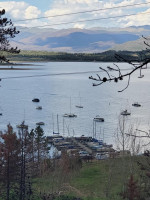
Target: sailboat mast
{"x": 70, "y": 105}
{"x": 63, "y": 126}
{"x": 79, "y": 99}
{"x": 57, "y": 124}
{"x": 53, "y": 122}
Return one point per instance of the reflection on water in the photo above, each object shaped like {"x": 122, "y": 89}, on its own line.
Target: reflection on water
{"x": 54, "y": 83}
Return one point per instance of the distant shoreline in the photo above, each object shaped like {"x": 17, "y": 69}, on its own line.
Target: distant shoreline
{"x": 40, "y": 56}
{"x": 15, "y": 64}
{"x": 12, "y": 66}
{"x": 4, "y": 68}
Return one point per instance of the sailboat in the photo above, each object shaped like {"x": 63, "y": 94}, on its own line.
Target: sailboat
{"x": 70, "y": 114}
{"x": 79, "y": 105}
{"x": 1, "y": 113}
{"x": 125, "y": 113}
{"x": 56, "y": 133}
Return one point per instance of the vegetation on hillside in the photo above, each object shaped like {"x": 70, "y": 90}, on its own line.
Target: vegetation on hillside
{"x": 107, "y": 56}
{"x": 28, "y": 172}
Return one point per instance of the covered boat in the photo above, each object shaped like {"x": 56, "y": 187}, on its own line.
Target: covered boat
{"x": 69, "y": 115}
{"x": 136, "y": 104}
{"x": 98, "y": 119}
{"x": 35, "y": 100}
{"x": 40, "y": 123}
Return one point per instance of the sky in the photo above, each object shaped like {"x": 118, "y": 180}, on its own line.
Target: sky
{"x": 106, "y": 15}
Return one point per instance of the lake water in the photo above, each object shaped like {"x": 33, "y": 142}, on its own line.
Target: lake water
{"x": 55, "y": 83}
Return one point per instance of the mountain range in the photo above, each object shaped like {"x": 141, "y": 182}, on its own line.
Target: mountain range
{"x": 93, "y": 40}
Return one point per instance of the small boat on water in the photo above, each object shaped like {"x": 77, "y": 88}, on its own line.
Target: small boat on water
{"x": 98, "y": 119}
{"x": 78, "y": 106}
{"x": 23, "y": 126}
{"x": 1, "y": 114}
{"x": 69, "y": 115}
{"x": 40, "y": 123}
{"x": 136, "y": 104}
{"x": 125, "y": 113}
{"x": 39, "y": 108}
{"x": 55, "y": 133}
{"x": 35, "y": 100}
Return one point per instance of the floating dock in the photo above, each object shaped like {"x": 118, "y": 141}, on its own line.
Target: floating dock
{"x": 83, "y": 146}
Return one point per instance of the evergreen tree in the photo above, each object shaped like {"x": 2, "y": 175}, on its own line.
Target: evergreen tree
{"x": 40, "y": 143}
{"x": 9, "y": 161}
{"x": 7, "y": 31}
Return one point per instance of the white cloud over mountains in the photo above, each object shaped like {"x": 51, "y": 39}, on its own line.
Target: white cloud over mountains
{"x": 22, "y": 10}
{"x": 138, "y": 20}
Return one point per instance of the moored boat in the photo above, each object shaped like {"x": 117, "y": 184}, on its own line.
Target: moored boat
{"x": 78, "y": 106}
{"x": 35, "y": 100}
{"x": 23, "y": 126}
{"x": 55, "y": 133}
{"x": 39, "y": 108}
{"x": 69, "y": 115}
{"x": 98, "y": 119}
{"x": 136, "y": 104}
{"x": 125, "y": 113}
{"x": 40, "y": 123}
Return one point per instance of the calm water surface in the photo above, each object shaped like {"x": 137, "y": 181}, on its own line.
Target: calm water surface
{"x": 56, "y": 83}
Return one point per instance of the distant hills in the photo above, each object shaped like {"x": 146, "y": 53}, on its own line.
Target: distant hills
{"x": 93, "y": 40}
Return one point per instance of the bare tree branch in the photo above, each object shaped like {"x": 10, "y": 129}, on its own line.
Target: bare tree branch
{"x": 140, "y": 64}
{"x": 120, "y": 58}
{"x": 148, "y": 134}
{"x": 105, "y": 71}
{"x": 126, "y": 86}
{"x": 145, "y": 38}
{"x": 120, "y": 76}
{"x": 138, "y": 136}
{"x": 144, "y": 145}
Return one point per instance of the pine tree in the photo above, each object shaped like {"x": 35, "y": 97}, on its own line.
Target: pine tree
{"x": 40, "y": 142}
{"x": 9, "y": 160}
{"x": 7, "y": 31}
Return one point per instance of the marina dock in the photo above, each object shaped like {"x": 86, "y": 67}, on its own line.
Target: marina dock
{"x": 82, "y": 146}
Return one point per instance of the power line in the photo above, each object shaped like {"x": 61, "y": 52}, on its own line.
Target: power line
{"x": 69, "y": 73}
{"x": 80, "y": 12}
{"x": 57, "y": 74}
{"x": 119, "y": 16}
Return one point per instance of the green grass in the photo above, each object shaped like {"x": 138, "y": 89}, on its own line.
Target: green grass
{"x": 99, "y": 180}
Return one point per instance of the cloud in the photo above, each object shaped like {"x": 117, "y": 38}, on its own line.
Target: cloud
{"x": 138, "y": 20}
{"x": 9, "y": 6}
{"x": 22, "y": 10}
{"x": 60, "y": 7}
{"x": 32, "y": 12}
{"x": 80, "y": 26}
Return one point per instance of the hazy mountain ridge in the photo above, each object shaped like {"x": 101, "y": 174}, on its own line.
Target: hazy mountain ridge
{"x": 81, "y": 40}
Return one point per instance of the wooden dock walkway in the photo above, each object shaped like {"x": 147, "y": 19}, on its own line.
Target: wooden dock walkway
{"x": 85, "y": 148}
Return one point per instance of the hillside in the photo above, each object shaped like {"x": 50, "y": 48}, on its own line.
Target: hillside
{"x": 137, "y": 45}
{"x": 93, "y": 40}
{"x": 46, "y": 56}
